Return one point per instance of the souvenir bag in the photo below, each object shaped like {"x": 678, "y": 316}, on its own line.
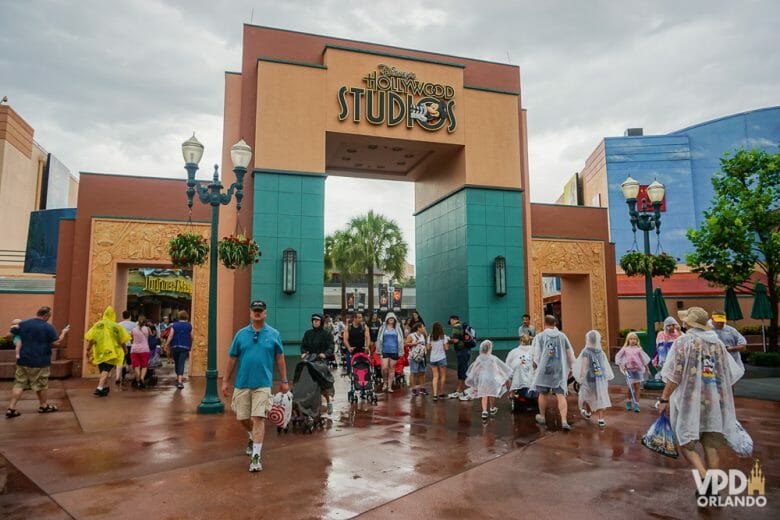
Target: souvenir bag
{"x": 417, "y": 353}
{"x": 281, "y": 409}
{"x": 660, "y": 437}
{"x": 742, "y": 444}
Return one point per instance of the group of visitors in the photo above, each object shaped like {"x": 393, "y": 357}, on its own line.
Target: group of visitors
{"x": 699, "y": 363}
{"x": 110, "y": 345}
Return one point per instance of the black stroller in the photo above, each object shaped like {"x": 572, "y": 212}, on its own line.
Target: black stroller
{"x": 311, "y": 378}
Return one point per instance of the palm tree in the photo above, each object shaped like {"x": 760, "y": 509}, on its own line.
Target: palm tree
{"x": 377, "y": 243}
{"x": 342, "y": 258}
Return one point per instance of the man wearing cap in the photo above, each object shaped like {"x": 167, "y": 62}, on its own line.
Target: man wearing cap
{"x": 734, "y": 341}
{"x": 318, "y": 343}
{"x": 699, "y": 374}
{"x": 253, "y": 351}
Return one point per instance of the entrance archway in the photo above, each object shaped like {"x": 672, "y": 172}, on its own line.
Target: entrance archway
{"x": 116, "y": 244}
{"x": 318, "y": 106}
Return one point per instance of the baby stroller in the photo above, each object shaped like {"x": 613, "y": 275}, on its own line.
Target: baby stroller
{"x": 361, "y": 380}
{"x": 403, "y": 361}
{"x": 154, "y": 364}
{"x": 376, "y": 364}
{"x": 523, "y": 400}
{"x": 311, "y": 378}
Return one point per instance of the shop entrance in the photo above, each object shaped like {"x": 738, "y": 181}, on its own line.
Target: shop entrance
{"x": 156, "y": 292}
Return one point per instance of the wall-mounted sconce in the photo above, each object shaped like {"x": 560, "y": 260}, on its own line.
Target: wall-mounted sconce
{"x": 289, "y": 271}
{"x": 499, "y": 272}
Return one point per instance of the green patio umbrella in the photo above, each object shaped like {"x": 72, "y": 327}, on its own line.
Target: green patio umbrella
{"x": 731, "y": 305}
{"x": 660, "y": 312}
{"x": 761, "y": 309}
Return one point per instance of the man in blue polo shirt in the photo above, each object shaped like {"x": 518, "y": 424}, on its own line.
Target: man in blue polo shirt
{"x": 253, "y": 351}
{"x": 32, "y": 367}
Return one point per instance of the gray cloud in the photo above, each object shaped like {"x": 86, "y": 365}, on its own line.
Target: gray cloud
{"x": 117, "y": 87}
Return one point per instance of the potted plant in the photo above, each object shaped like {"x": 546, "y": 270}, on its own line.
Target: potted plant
{"x": 238, "y": 251}
{"x": 635, "y": 263}
{"x": 188, "y": 249}
{"x": 664, "y": 265}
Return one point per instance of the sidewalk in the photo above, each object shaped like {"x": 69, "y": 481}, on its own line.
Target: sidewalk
{"x": 147, "y": 454}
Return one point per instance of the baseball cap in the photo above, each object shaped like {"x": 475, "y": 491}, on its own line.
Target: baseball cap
{"x": 257, "y": 305}
{"x": 719, "y": 317}
{"x": 316, "y": 316}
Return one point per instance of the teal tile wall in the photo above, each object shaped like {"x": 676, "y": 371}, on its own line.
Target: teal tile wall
{"x": 289, "y": 211}
{"x": 457, "y": 241}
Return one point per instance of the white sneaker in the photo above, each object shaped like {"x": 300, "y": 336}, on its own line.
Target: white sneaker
{"x": 657, "y": 403}
{"x": 255, "y": 465}
{"x": 494, "y": 410}
{"x": 454, "y": 395}
{"x": 586, "y": 414}
{"x": 566, "y": 426}
{"x": 464, "y": 397}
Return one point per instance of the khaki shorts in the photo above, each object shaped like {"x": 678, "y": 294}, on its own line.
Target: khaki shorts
{"x": 32, "y": 378}
{"x": 251, "y": 402}
{"x": 714, "y": 440}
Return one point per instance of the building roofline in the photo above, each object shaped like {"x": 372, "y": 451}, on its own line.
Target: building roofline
{"x": 687, "y": 128}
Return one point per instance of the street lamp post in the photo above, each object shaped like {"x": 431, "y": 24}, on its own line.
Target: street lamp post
{"x": 646, "y": 222}
{"x": 240, "y": 155}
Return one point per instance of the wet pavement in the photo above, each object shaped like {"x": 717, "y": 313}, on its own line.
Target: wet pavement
{"x": 147, "y": 454}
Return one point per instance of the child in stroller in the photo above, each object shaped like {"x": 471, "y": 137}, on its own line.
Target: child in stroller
{"x": 399, "y": 380}
{"x": 361, "y": 379}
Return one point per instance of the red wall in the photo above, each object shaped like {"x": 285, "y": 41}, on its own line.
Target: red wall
{"x": 108, "y": 196}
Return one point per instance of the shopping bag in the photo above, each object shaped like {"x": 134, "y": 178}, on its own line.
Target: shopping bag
{"x": 742, "y": 444}
{"x": 281, "y": 409}
{"x": 660, "y": 437}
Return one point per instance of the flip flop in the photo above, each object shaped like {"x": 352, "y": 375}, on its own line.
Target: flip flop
{"x": 11, "y": 413}
{"x": 49, "y": 408}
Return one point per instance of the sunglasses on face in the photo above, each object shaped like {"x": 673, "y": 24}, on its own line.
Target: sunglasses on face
{"x": 255, "y": 336}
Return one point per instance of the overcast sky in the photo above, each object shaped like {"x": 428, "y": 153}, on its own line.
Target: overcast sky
{"x": 117, "y": 86}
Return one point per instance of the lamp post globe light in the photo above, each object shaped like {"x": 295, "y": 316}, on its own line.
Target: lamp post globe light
{"x": 646, "y": 222}
{"x": 240, "y": 155}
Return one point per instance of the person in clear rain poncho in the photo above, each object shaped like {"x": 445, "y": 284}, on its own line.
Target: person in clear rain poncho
{"x": 521, "y": 360}
{"x": 592, "y": 371}
{"x": 553, "y": 359}
{"x": 488, "y": 376}
{"x": 699, "y": 373}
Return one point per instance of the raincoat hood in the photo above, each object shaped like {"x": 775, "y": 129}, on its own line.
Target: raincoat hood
{"x": 109, "y": 314}
{"x": 670, "y": 321}
{"x": 486, "y": 347}
{"x": 593, "y": 340}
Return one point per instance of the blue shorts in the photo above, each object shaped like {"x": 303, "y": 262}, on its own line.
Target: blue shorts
{"x": 549, "y": 390}
{"x": 440, "y": 363}
{"x": 417, "y": 367}
{"x": 634, "y": 376}
{"x": 464, "y": 358}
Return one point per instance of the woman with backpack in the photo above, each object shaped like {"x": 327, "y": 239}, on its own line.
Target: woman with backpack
{"x": 416, "y": 343}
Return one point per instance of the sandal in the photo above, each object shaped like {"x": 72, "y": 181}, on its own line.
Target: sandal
{"x": 49, "y": 408}
{"x": 11, "y": 413}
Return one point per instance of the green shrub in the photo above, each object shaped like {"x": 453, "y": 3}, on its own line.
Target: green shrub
{"x": 6, "y": 344}
{"x": 765, "y": 359}
{"x": 750, "y": 330}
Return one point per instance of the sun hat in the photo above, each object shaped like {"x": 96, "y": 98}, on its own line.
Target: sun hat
{"x": 696, "y": 317}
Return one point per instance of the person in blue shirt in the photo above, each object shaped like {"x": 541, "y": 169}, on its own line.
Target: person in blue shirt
{"x": 252, "y": 357}
{"x": 33, "y": 363}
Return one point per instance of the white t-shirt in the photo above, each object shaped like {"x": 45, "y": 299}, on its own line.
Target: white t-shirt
{"x": 437, "y": 349}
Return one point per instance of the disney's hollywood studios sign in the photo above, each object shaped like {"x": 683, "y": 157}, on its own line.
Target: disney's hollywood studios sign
{"x": 393, "y": 97}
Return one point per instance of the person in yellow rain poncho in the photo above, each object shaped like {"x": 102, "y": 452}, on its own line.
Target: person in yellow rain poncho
{"x": 106, "y": 347}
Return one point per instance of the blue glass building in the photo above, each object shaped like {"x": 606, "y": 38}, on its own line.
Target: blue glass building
{"x": 684, "y": 161}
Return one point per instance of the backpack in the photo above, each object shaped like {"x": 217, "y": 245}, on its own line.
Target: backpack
{"x": 417, "y": 353}
{"x": 469, "y": 336}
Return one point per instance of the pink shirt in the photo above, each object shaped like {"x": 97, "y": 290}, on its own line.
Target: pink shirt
{"x": 140, "y": 340}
